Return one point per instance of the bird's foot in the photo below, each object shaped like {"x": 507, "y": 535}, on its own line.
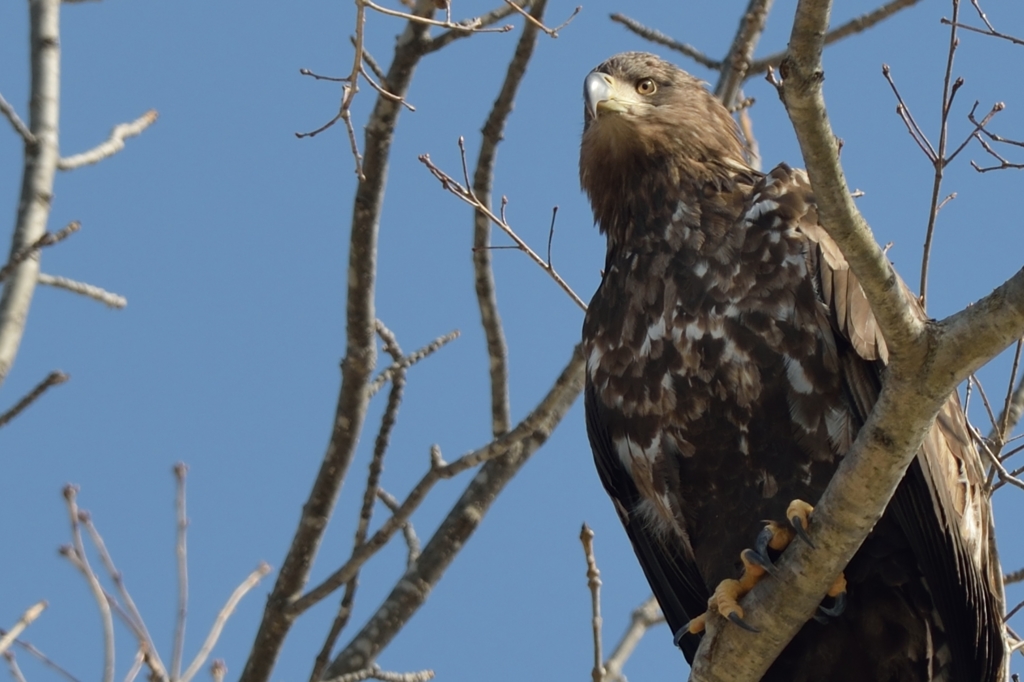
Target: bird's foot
{"x": 757, "y": 562}
{"x": 799, "y": 514}
{"x": 726, "y": 598}
{"x": 837, "y": 596}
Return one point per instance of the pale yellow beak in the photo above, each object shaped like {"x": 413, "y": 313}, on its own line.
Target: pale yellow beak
{"x": 604, "y": 94}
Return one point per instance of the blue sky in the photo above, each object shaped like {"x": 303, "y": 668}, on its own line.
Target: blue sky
{"x": 228, "y": 237}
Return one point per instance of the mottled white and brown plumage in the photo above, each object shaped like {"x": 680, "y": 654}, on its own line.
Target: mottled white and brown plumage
{"x": 731, "y": 360}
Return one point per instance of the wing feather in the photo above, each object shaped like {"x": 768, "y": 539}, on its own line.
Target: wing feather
{"x": 941, "y": 504}
{"x": 672, "y": 575}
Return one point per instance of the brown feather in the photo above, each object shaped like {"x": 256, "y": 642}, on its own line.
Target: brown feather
{"x": 731, "y": 358}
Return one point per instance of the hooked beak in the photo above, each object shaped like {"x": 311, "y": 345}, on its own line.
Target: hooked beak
{"x": 604, "y": 94}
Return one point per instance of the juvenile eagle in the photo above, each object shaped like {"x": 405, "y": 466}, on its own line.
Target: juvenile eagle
{"x": 731, "y": 360}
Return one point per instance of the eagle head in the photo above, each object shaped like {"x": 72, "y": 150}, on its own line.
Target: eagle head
{"x": 646, "y": 119}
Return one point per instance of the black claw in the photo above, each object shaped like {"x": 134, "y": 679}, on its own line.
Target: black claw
{"x": 759, "y": 559}
{"x": 800, "y": 532}
{"x": 836, "y": 609}
{"x": 735, "y": 618}
{"x": 763, "y": 538}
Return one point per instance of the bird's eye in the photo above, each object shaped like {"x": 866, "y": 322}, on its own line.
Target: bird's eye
{"x": 647, "y": 86}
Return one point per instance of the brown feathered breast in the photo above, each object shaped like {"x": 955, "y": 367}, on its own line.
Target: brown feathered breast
{"x": 731, "y": 359}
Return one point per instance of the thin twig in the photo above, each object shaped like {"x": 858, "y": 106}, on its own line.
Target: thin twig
{"x": 989, "y": 31}
{"x": 1003, "y": 163}
{"x": 459, "y": 31}
{"x": 107, "y": 298}
{"x": 341, "y": 618}
{"x": 978, "y": 126}
{"x": 531, "y": 427}
{"x": 137, "y": 663}
{"x": 737, "y": 62}
{"x": 660, "y": 38}
{"x": 30, "y": 614}
{"x": 222, "y": 618}
{"x": 852, "y": 27}
{"x": 384, "y": 93}
{"x": 76, "y": 554}
{"x": 1012, "y": 612}
{"x": 553, "y": 32}
{"x": 42, "y": 658}
{"x": 594, "y": 584}
{"x": 1004, "y": 475}
{"x": 47, "y": 239}
{"x": 370, "y": 494}
{"x": 12, "y": 665}
{"x": 130, "y": 615}
{"x": 1014, "y": 577}
{"x": 1005, "y": 416}
{"x": 949, "y": 90}
{"x": 376, "y": 673}
{"x": 644, "y": 617}
{"x": 467, "y": 196}
{"x": 412, "y": 542}
{"x": 181, "y": 551}
{"x": 112, "y": 145}
{"x": 19, "y": 126}
{"x": 410, "y": 360}
{"x": 52, "y": 379}
{"x": 1010, "y": 417}
{"x": 506, "y": 456}
{"x": 551, "y": 233}
{"x": 468, "y": 25}
{"x": 908, "y": 119}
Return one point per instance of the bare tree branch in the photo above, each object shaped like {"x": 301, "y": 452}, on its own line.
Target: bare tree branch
{"x": 76, "y": 555}
{"x": 410, "y": 360}
{"x": 29, "y": 251}
{"x": 737, "y": 61}
{"x": 412, "y": 541}
{"x": 52, "y": 379}
{"x": 644, "y": 617}
{"x": 801, "y": 93}
{"x": 222, "y": 617}
{"x": 949, "y": 90}
{"x": 375, "y": 673}
{"x": 37, "y": 179}
{"x": 510, "y": 452}
{"x": 927, "y": 362}
{"x": 989, "y": 30}
{"x": 483, "y": 182}
{"x": 31, "y": 613}
{"x": 181, "y": 552}
{"x": 19, "y": 126}
{"x": 107, "y": 298}
{"x": 538, "y": 24}
{"x": 130, "y": 613}
{"x": 41, "y": 657}
{"x": 12, "y": 665}
{"x": 852, "y": 27}
{"x": 490, "y": 18}
{"x": 462, "y": 192}
{"x": 112, "y": 145}
{"x": 660, "y": 38}
{"x": 597, "y": 674}
{"x": 360, "y": 356}
{"x": 137, "y": 663}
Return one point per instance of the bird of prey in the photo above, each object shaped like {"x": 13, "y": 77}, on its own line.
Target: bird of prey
{"x": 731, "y": 359}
